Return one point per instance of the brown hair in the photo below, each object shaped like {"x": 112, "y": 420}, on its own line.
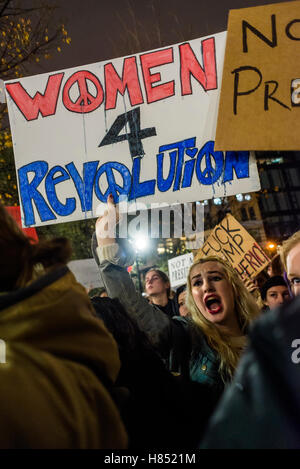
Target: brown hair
{"x": 228, "y": 349}
{"x": 276, "y": 265}
{"x": 163, "y": 277}
{"x": 288, "y": 245}
{"x": 19, "y": 254}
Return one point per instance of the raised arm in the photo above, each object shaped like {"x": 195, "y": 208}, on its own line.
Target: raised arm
{"x": 112, "y": 264}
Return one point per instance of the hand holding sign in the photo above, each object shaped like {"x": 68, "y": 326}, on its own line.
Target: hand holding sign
{"x": 250, "y": 285}
{"x": 106, "y": 224}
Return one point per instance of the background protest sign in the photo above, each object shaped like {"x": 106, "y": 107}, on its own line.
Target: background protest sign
{"x": 15, "y": 213}
{"x": 179, "y": 268}
{"x": 260, "y": 98}
{"x": 142, "y": 126}
{"x": 86, "y": 272}
{"x": 231, "y": 241}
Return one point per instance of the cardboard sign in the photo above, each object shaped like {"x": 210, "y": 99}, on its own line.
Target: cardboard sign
{"x": 141, "y": 126}
{"x": 179, "y": 269}
{"x": 260, "y": 98}
{"x": 86, "y": 272}
{"x": 231, "y": 241}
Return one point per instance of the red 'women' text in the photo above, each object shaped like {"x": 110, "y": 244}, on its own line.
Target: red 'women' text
{"x": 144, "y": 86}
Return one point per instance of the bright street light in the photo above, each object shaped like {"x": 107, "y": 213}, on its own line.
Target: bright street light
{"x": 140, "y": 242}
{"x": 271, "y": 246}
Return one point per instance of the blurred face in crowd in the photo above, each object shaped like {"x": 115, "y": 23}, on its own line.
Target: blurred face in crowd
{"x": 277, "y": 296}
{"x": 259, "y": 281}
{"x": 213, "y": 293}
{"x": 154, "y": 284}
{"x": 293, "y": 268}
{"x": 183, "y": 311}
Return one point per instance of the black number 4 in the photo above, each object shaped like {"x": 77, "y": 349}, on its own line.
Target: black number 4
{"x": 135, "y": 135}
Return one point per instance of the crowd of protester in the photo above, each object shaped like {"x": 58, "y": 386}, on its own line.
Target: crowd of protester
{"x": 209, "y": 367}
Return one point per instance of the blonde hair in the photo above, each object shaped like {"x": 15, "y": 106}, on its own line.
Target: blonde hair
{"x": 287, "y": 246}
{"x": 227, "y": 347}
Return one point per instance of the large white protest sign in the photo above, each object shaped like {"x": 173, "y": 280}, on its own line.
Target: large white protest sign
{"x": 142, "y": 126}
{"x": 179, "y": 269}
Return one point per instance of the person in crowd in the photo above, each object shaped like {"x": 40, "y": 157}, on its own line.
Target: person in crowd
{"x": 159, "y": 411}
{"x": 261, "y": 407}
{"x": 274, "y": 292}
{"x": 157, "y": 288}
{"x": 290, "y": 256}
{"x": 180, "y": 298}
{"x": 207, "y": 347}
{"x": 60, "y": 359}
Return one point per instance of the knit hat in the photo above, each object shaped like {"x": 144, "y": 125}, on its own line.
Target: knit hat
{"x": 275, "y": 281}
{"x": 179, "y": 290}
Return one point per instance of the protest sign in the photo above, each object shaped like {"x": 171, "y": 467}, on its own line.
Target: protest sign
{"x": 231, "y": 241}
{"x": 86, "y": 272}
{"x": 142, "y": 126}
{"x": 15, "y": 213}
{"x": 260, "y": 98}
{"x": 179, "y": 269}
{"x": 195, "y": 241}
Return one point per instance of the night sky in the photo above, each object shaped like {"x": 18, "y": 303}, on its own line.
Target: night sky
{"x": 98, "y": 27}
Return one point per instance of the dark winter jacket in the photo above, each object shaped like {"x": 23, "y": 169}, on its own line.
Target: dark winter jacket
{"x": 169, "y": 309}
{"x": 59, "y": 363}
{"x": 261, "y": 408}
{"x": 160, "y": 410}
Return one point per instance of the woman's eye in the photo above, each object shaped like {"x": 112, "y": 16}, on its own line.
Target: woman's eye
{"x": 216, "y": 278}
{"x": 197, "y": 283}
{"x": 296, "y": 281}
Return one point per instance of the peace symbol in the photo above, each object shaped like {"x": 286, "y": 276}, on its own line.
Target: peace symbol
{"x": 86, "y": 102}
{"x": 210, "y": 174}
{"x": 113, "y": 187}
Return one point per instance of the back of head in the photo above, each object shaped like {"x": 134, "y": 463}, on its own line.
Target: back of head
{"x": 124, "y": 329}
{"x": 159, "y": 413}
{"x": 19, "y": 255}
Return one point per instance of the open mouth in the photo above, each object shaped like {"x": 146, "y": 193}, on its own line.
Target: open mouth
{"x": 213, "y": 305}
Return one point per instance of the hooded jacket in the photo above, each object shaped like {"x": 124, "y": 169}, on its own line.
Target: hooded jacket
{"x": 59, "y": 364}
